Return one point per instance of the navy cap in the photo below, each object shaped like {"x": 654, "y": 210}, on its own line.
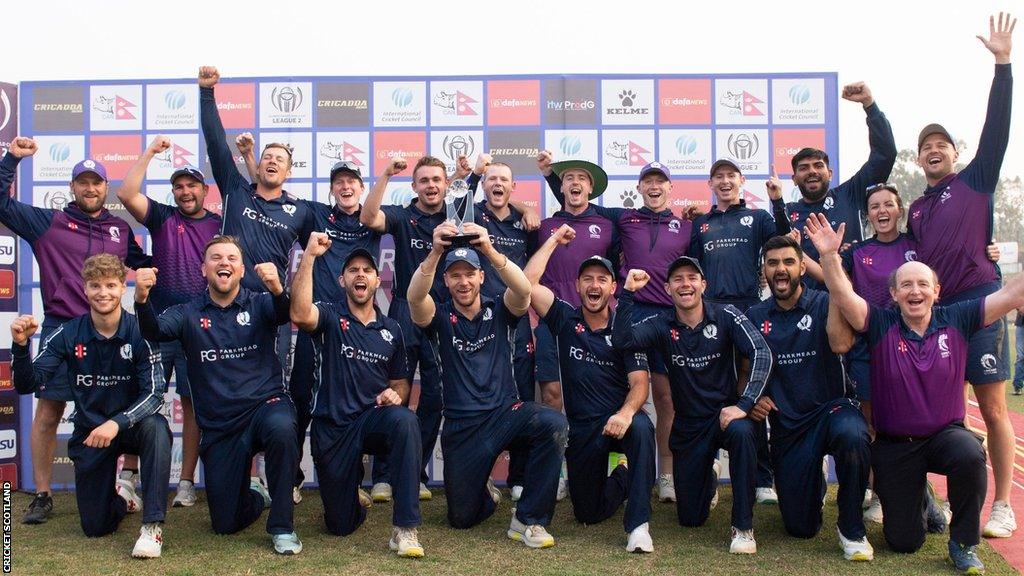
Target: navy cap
{"x": 349, "y": 167}
{"x": 189, "y": 171}
{"x": 723, "y": 162}
{"x": 596, "y": 260}
{"x": 360, "y": 253}
{"x": 655, "y": 167}
{"x": 467, "y": 255}
{"x": 88, "y": 165}
{"x": 683, "y": 261}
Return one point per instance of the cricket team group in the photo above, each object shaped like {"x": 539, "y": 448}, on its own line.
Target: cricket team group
{"x": 860, "y": 351}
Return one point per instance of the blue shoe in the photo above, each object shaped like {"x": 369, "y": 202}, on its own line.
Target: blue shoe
{"x": 964, "y": 559}
{"x": 257, "y": 485}
{"x": 287, "y": 544}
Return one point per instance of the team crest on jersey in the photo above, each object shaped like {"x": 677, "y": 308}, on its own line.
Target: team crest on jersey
{"x": 766, "y": 327}
{"x": 804, "y": 323}
{"x": 205, "y": 323}
{"x": 747, "y": 221}
{"x": 344, "y": 324}
{"x": 988, "y": 362}
{"x": 711, "y": 332}
{"x": 387, "y": 335}
{"x": 910, "y": 255}
{"x": 289, "y": 209}
{"x": 126, "y": 351}
{"x": 115, "y": 234}
{"x": 242, "y": 318}
{"x": 595, "y": 231}
{"x": 944, "y": 345}
{"x": 518, "y": 224}
{"x": 673, "y": 226}
{"x": 79, "y": 351}
{"x": 608, "y": 339}
{"x": 674, "y": 334}
{"x": 945, "y": 196}
{"x": 488, "y": 314}
{"x": 830, "y": 202}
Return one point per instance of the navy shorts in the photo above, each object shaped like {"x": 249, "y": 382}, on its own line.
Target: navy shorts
{"x": 58, "y": 388}
{"x": 641, "y": 310}
{"x": 988, "y": 355}
{"x": 545, "y": 355}
{"x": 174, "y": 360}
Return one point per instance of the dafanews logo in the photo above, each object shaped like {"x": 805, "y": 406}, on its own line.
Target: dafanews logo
{"x": 741, "y": 101}
{"x": 334, "y": 147}
{"x": 399, "y": 104}
{"x": 172, "y": 107}
{"x": 115, "y": 107}
{"x": 685, "y": 152}
{"x": 342, "y": 104}
{"x": 56, "y": 157}
{"x": 456, "y": 103}
{"x": 58, "y": 108}
{"x": 627, "y": 101}
{"x": 798, "y": 101}
{"x": 286, "y": 105}
{"x": 627, "y": 151}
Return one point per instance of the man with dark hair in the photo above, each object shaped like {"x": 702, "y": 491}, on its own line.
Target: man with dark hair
{"x": 952, "y": 224}
{"x": 808, "y": 402}
{"x": 241, "y": 402}
{"x": 61, "y": 240}
{"x": 118, "y": 390}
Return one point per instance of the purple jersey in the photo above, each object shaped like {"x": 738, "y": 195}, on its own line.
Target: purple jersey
{"x": 869, "y": 264}
{"x": 651, "y": 241}
{"x": 917, "y": 383}
{"x": 594, "y": 235}
{"x": 178, "y": 243}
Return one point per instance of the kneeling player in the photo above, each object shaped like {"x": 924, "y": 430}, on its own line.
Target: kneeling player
{"x": 357, "y": 396}
{"x": 603, "y": 389}
{"x": 117, "y": 386}
{"x": 473, "y": 338}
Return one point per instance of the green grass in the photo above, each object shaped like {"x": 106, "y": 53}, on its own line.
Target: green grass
{"x": 59, "y": 548}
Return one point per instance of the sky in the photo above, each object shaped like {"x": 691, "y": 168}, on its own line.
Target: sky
{"x": 920, "y": 59}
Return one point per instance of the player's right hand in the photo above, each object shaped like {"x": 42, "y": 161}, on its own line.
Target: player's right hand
{"x": 443, "y": 229}
{"x": 145, "y": 279}
{"x": 564, "y": 235}
{"x": 208, "y": 76}
{"x": 762, "y": 408}
{"x": 636, "y": 279}
{"x": 21, "y": 147}
{"x": 482, "y": 162}
{"x": 159, "y": 144}
{"x": 395, "y": 167}
{"x": 544, "y": 162}
{"x": 22, "y": 329}
{"x": 318, "y": 244}
{"x": 245, "y": 143}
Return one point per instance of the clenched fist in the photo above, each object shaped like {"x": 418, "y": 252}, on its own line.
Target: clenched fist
{"x": 544, "y": 162}
{"x": 23, "y": 328}
{"x": 396, "y": 166}
{"x": 267, "y": 273}
{"x": 158, "y": 145}
{"x": 208, "y": 76}
{"x": 636, "y": 279}
{"x": 145, "y": 279}
{"x": 22, "y": 147}
{"x": 245, "y": 143}
{"x": 318, "y": 244}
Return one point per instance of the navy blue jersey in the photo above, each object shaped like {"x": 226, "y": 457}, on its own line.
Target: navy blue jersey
{"x": 475, "y": 355}
{"x": 700, "y": 360}
{"x": 847, "y": 202}
{"x": 595, "y": 375}
{"x": 118, "y": 378}
{"x": 353, "y": 362}
{"x": 413, "y": 232}
{"x": 728, "y": 245}
{"x": 347, "y": 234}
{"x": 808, "y": 376}
{"x": 266, "y": 229}
{"x": 232, "y": 360}
{"x": 509, "y": 238}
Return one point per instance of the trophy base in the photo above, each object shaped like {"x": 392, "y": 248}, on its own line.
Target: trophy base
{"x": 461, "y": 240}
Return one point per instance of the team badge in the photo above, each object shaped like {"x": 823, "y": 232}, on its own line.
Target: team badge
{"x": 115, "y": 234}
{"x": 747, "y": 221}
{"x": 488, "y": 314}
{"x": 608, "y": 339}
{"x": 126, "y": 351}
{"x": 944, "y": 345}
{"x": 242, "y": 318}
{"x": 711, "y": 332}
{"x": 387, "y": 335}
{"x": 673, "y": 226}
{"x": 289, "y": 209}
{"x": 829, "y": 203}
{"x": 910, "y": 255}
{"x": 804, "y": 323}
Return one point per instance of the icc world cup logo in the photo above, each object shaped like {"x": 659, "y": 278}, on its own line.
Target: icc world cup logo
{"x": 286, "y": 99}
{"x": 743, "y": 146}
{"x": 458, "y": 145}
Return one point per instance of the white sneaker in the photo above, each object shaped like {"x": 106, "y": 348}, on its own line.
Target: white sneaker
{"x": 150, "y": 542}
{"x": 287, "y": 544}
{"x": 126, "y": 490}
{"x": 563, "y": 488}
{"x": 256, "y": 483}
{"x": 381, "y": 492}
{"x": 640, "y": 539}
{"x": 742, "y": 542}
{"x": 856, "y": 550}
{"x": 425, "y": 493}
{"x": 296, "y": 494}
{"x": 493, "y": 491}
{"x": 364, "y": 499}
{"x": 1001, "y": 523}
{"x": 405, "y": 542}
{"x": 717, "y": 469}
{"x": 869, "y": 496}
{"x": 517, "y": 493}
{"x": 824, "y": 479}
{"x": 666, "y": 488}
{"x": 874, "y": 510}
{"x": 131, "y": 476}
{"x": 186, "y": 495}
{"x": 534, "y": 536}
{"x": 766, "y": 495}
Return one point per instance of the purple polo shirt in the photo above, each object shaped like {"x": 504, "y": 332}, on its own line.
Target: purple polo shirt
{"x": 594, "y": 235}
{"x": 178, "y": 243}
{"x": 651, "y": 241}
{"x": 869, "y": 264}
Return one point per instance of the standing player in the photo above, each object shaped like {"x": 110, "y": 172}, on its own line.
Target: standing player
{"x": 952, "y": 223}
{"x": 359, "y": 390}
{"x": 61, "y": 240}
{"x": 604, "y": 391}
{"x": 812, "y": 412}
{"x": 117, "y": 391}
{"x": 179, "y": 234}
{"x": 472, "y": 336}
{"x": 241, "y": 403}
{"x": 700, "y": 343}
{"x": 919, "y": 355}
{"x": 1018, "y": 369}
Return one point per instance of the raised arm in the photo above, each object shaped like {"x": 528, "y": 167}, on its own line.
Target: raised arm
{"x": 779, "y": 215}
{"x": 421, "y": 306}
{"x": 23, "y": 219}
{"x": 370, "y": 215}
{"x": 983, "y": 171}
{"x": 267, "y": 272}
{"x": 130, "y": 193}
{"x": 543, "y": 297}
{"x": 1003, "y": 301}
{"x": 246, "y": 145}
{"x": 28, "y": 376}
{"x": 625, "y": 334}
{"x": 882, "y": 144}
{"x": 165, "y": 328}
{"x": 225, "y": 173}
{"x": 828, "y": 242}
{"x": 303, "y": 313}
{"x": 517, "y": 293}
{"x": 840, "y": 334}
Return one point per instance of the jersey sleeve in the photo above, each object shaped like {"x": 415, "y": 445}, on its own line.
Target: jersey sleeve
{"x": 558, "y": 315}
{"x": 222, "y": 163}
{"x": 629, "y": 336}
{"x": 752, "y": 345}
{"x": 29, "y": 375}
{"x": 325, "y": 316}
{"x": 25, "y": 220}
{"x": 880, "y": 160}
{"x": 634, "y": 361}
{"x": 982, "y": 173}
{"x": 879, "y": 322}
{"x": 164, "y": 328}
{"x": 156, "y": 214}
{"x": 398, "y": 365}
{"x": 967, "y": 316}
{"x": 394, "y": 219}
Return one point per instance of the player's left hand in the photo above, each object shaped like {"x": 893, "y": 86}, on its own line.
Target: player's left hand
{"x": 389, "y": 398}
{"x": 617, "y": 425}
{"x": 482, "y": 242}
{"x": 1000, "y": 37}
{"x": 462, "y": 168}
{"x": 267, "y": 273}
{"x": 730, "y": 413}
{"x": 531, "y": 220}
{"x": 992, "y": 252}
{"x": 774, "y": 186}
{"x": 761, "y": 410}
{"x": 102, "y": 435}
{"x": 858, "y": 92}
{"x": 692, "y": 212}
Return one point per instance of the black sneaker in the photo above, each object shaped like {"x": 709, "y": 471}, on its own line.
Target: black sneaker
{"x": 39, "y": 509}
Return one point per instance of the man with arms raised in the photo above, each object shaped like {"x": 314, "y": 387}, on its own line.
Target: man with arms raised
{"x": 472, "y": 336}
{"x": 241, "y": 403}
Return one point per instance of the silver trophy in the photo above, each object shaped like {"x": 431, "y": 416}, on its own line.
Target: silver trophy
{"x": 458, "y": 204}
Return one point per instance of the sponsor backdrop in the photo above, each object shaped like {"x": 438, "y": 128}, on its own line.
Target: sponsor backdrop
{"x": 10, "y": 450}
{"x": 619, "y": 122}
